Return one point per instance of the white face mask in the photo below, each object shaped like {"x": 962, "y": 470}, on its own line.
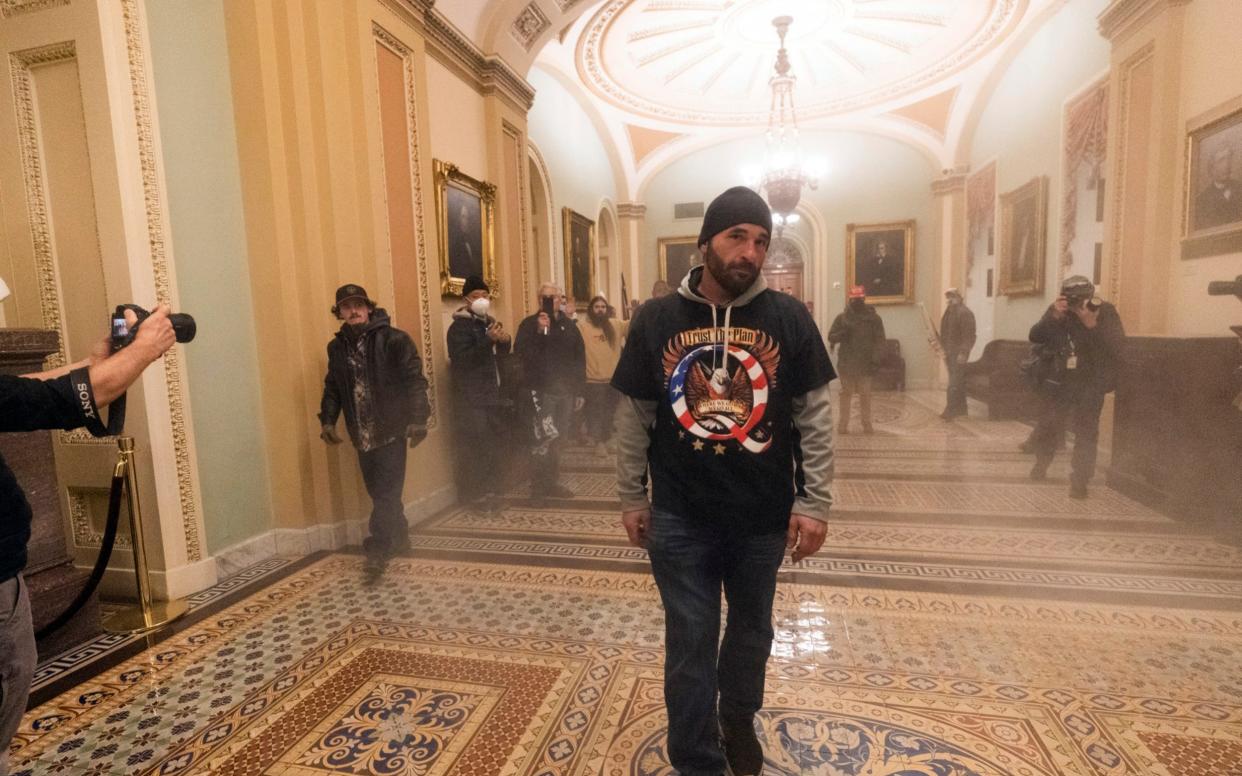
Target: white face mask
{"x": 480, "y": 306}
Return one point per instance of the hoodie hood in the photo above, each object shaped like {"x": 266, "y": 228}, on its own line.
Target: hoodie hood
{"x": 689, "y": 288}
{"x": 379, "y": 320}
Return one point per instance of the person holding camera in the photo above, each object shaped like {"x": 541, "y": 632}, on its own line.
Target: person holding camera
{"x": 1082, "y": 338}
{"x": 553, "y": 361}
{"x": 376, "y": 376}
{"x": 476, "y": 343}
{"x": 66, "y": 398}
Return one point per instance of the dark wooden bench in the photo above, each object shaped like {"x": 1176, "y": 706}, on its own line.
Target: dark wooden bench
{"x": 891, "y": 373}
{"x": 995, "y": 380}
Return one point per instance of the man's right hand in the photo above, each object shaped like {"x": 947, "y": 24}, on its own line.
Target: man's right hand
{"x": 637, "y": 523}
{"x": 1060, "y": 307}
{"x": 155, "y": 336}
{"x": 328, "y": 434}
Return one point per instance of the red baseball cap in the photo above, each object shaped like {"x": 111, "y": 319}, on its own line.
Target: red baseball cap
{"x": 857, "y": 292}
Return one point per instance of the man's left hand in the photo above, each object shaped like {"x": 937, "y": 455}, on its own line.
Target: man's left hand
{"x": 806, "y": 535}
{"x": 416, "y": 434}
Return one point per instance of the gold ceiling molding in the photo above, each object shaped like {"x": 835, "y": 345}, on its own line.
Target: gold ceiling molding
{"x": 416, "y": 184}
{"x": 9, "y": 8}
{"x": 949, "y": 183}
{"x": 489, "y": 73}
{"x": 159, "y": 264}
{"x": 1123, "y": 18}
{"x": 529, "y": 25}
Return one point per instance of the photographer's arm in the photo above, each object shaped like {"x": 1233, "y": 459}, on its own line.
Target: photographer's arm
{"x": 112, "y": 373}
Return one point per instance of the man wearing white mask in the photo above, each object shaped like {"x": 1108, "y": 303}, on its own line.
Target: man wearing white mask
{"x": 476, "y": 341}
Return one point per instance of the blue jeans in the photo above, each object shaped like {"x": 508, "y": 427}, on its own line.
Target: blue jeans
{"x": 692, "y": 561}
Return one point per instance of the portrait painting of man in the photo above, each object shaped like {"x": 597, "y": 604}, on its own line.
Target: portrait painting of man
{"x": 1024, "y": 229}
{"x": 465, "y": 210}
{"x": 1215, "y": 180}
{"x": 677, "y": 256}
{"x": 880, "y": 258}
{"x": 579, "y": 256}
{"x": 465, "y": 233}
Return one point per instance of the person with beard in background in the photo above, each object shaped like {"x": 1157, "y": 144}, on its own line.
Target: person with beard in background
{"x": 602, "y": 338}
{"x": 476, "y": 343}
{"x": 858, "y": 335}
{"x": 376, "y": 376}
{"x": 726, "y": 401}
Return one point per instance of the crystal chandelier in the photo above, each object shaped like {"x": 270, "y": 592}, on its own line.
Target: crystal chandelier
{"x": 783, "y": 173}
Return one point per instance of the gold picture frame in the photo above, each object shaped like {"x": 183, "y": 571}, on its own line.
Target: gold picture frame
{"x": 880, "y": 258}
{"x": 1212, "y": 184}
{"x": 466, "y": 213}
{"x": 579, "y": 255}
{"x": 1024, "y": 239}
{"x": 677, "y": 256}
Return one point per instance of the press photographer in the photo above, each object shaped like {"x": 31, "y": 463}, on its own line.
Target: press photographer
{"x": 66, "y": 398}
{"x": 1082, "y": 339}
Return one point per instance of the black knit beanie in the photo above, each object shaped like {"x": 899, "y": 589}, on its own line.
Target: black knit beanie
{"x": 474, "y": 283}
{"x": 738, "y": 205}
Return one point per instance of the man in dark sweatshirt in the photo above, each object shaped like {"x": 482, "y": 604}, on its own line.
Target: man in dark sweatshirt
{"x": 553, "y": 360}
{"x": 376, "y": 377}
{"x": 725, "y": 387}
{"x": 65, "y": 398}
{"x": 858, "y": 335}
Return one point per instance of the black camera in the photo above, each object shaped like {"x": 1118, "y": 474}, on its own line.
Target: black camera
{"x": 122, "y": 334}
{"x": 1075, "y": 301}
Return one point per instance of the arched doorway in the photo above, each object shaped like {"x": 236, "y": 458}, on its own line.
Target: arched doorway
{"x": 606, "y": 249}
{"x": 542, "y": 224}
{"x": 784, "y": 268}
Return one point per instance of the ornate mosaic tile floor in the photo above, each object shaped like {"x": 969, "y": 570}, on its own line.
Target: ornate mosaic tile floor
{"x": 1015, "y": 635}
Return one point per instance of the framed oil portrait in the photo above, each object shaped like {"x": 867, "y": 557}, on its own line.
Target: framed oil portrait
{"x": 1024, "y": 238}
{"x": 880, "y": 258}
{"x": 1212, "y": 223}
{"x": 677, "y": 256}
{"x": 579, "y": 232}
{"x": 466, "y": 212}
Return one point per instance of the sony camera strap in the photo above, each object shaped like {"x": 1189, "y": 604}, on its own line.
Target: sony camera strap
{"x": 84, "y": 394}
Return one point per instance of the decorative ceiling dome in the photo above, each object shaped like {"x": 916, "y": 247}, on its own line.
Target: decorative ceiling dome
{"x": 708, "y": 61}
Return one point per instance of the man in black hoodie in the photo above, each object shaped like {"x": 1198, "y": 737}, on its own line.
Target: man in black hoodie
{"x": 554, "y": 386}
{"x": 725, "y": 389}
{"x": 476, "y": 342}
{"x": 376, "y": 377}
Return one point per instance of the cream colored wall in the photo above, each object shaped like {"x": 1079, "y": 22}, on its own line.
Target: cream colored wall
{"x": 1211, "y": 76}
{"x": 1020, "y": 128}
{"x": 201, "y": 168}
{"x": 578, "y": 165}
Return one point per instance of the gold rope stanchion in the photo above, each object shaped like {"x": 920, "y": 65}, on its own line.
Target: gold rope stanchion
{"x": 148, "y": 615}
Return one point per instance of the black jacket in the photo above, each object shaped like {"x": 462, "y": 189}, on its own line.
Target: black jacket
{"x": 861, "y": 337}
{"x": 474, "y": 360}
{"x": 554, "y": 362}
{"x": 1098, "y": 351}
{"x": 395, "y": 374}
{"x": 27, "y": 405}
{"x": 957, "y": 331}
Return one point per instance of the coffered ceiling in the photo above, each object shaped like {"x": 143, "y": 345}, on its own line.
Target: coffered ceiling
{"x": 664, "y": 78}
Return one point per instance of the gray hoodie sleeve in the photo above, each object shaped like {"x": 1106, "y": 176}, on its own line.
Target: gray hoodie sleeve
{"x": 635, "y": 417}
{"x": 812, "y": 415}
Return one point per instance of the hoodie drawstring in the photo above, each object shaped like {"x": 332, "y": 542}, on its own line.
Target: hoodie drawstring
{"x": 716, "y": 335}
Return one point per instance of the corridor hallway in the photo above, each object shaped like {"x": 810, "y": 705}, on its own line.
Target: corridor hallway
{"x": 959, "y": 621}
